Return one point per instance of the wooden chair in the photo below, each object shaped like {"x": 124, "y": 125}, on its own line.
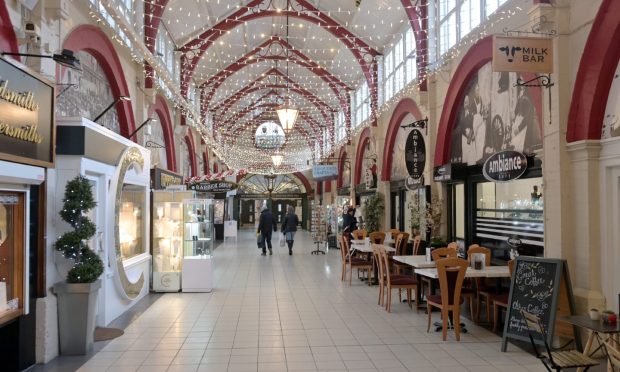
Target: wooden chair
{"x": 500, "y": 300}
{"x": 555, "y": 360}
{"x": 377, "y": 237}
{"x": 407, "y": 282}
{"x": 437, "y": 254}
{"x": 394, "y": 233}
{"x": 451, "y": 272}
{"x": 453, "y": 245}
{"x": 401, "y": 250}
{"x": 483, "y": 291}
{"x": 359, "y": 234}
{"x": 416, "y": 245}
{"x": 377, "y": 256}
{"x": 352, "y": 262}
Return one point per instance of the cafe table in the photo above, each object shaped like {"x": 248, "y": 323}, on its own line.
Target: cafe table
{"x": 598, "y": 330}
{"x": 417, "y": 262}
{"x": 368, "y": 249}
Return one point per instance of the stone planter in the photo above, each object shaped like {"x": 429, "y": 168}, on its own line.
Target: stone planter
{"x": 77, "y": 303}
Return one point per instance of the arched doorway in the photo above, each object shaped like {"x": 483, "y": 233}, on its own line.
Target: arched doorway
{"x": 253, "y": 194}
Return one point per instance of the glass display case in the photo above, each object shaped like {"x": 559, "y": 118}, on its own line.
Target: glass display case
{"x": 198, "y": 236}
{"x": 131, "y": 223}
{"x": 167, "y": 240}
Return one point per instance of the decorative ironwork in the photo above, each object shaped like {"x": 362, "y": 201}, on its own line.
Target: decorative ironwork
{"x": 153, "y": 145}
{"x": 420, "y": 124}
{"x": 543, "y": 81}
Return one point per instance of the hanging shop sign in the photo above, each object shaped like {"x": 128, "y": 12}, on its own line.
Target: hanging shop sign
{"x": 213, "y": 186}
{"x": 161, "y": 179}
{"x": 522, "y": 54}
{"x": 414, "y": 183}
{"x": 325, "y": 172}
{"x": 415, "y": 154}
{"x": 27, "y": 131}
{"x": 504, "y": 166}
{"x": 442, "y": 173}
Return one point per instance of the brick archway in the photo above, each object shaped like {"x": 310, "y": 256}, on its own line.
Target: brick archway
{"x": 8, "y": 41}
{"x": 91, "y": 39}
{"x": 189, "y": 139}
{"x": 403, "y": 108}
{"x": 595, "y": 75}
{"x": 342, "y": 158}
{"x": 163, "y": 113}
{"x": 359, "y": 155}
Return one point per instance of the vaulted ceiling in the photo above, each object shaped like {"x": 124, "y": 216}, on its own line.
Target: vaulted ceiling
{"x": 249, "y": 56}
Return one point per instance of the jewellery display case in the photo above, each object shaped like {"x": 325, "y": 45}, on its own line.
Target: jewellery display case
{"x": 168, "y": 239}
{"x": 198, "y": 236}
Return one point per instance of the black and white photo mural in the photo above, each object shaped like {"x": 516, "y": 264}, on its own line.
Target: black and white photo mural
{"x": 611, "y": 124}
{"x": 155, "y": 142}
{"x": 346, "y": 174}
{"x": 185, "y": 166}
{"x": 90, "y": 95}
{"x": 496, "y": 115}
{"x": 399, "y": 166}
{"x": 369, "y": 170}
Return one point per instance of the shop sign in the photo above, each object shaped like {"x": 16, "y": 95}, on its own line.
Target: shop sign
{"x": 415, "y": 154}
{"x": 504, "y": 166}
{"x": 325, "y": 172}
{"x": 213, "y": 186}
{"x": 414, "y": 183}
{"x": 523, "y": 54}
{"x": 442, "y": 173}
{"x": 161, "y": 179}
{"x": 27, "y": 131}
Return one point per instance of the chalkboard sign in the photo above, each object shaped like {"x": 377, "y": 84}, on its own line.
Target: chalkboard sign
{"x": 542, "y": 287}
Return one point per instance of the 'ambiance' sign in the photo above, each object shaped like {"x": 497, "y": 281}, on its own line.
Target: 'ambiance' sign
{"x": 504, "y": 166}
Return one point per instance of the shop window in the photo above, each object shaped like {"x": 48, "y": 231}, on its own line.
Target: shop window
{"x": 510, "y": 215}
{"x": 12, "y": 236}
{"x": 131, "y": 223}
{"x": 459, "y": 211}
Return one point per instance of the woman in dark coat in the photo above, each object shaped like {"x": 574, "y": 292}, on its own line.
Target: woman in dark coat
{"x": 289, "y": 227}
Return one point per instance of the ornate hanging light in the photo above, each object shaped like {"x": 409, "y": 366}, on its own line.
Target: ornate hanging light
{"x": 277, "y": 159}
{"x": 287, "y": 113}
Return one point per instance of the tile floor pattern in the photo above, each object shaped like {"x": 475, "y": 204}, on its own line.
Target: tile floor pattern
{"x": 292, "y": 313}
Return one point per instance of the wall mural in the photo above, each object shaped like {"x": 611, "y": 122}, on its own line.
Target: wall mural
{"x": 90, "y": 96}
{"x": 369, "y": 169}
{"x": 495, "y": 115}
{"x": 611, "y": 124}
{"x": 346, "y": 173}
{"x": 186, "y": 168}
{"x": 399, "y": 167}
{"x": 156, "y": 142}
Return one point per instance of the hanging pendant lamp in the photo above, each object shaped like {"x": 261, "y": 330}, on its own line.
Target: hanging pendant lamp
{"x": 287, "y": 113}
{"x": 277, "y": 159}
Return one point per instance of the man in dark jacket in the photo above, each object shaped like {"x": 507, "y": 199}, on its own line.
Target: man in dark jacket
{"x": 266, "y": 225}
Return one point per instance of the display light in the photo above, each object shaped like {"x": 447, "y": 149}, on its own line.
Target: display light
{"x": 65, "y": 58}
{"x": 148, "y": 128}
{"x": 121, "y": 98}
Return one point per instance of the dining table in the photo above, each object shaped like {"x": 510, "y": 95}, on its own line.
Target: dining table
{"x": 599, "y": 331}
{"x": 416, "y": 262}
{"x": 360, "y": 246}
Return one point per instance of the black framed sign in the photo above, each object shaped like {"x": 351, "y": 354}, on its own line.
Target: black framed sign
{"x": 161, "y": 178}
{"x": 541, "y": 286}
{"x": 504, "y": 166}
{"x": 213, "y": 186}
{"x": 415, "y": 154}
{"x": 27, "y": 132}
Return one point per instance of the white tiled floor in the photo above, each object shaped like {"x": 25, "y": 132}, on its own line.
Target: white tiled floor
{"x": 292, "y": 313}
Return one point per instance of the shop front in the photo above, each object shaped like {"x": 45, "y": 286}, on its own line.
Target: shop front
{"x": 27, "y": 132}
{"x": 492, "y": 174}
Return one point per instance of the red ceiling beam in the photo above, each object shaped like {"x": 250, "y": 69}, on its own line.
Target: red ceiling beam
{"x": 153, "y": 12}
{"x": 264, "y": 52}
{"x": 256, "y": 9}
{"x": 418, "y": 19}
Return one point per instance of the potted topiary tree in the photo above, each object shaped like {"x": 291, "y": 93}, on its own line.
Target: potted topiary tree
{"x": 77, "y": 296}
{"x": 434, "y": 211}
{"x": 373, "y": 212}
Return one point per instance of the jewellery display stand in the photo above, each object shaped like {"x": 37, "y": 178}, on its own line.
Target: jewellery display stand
{"x": 168, "y": 239}
{"x": 198, "y": 234}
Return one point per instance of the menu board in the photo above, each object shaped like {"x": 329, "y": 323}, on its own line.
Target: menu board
{"x": 537, "y": 285}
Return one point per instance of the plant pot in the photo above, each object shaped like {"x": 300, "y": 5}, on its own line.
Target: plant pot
{"x": 77, "y": 303}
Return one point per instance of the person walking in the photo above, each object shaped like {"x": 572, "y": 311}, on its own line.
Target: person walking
{"x": 266, "y": 225}
{"x": 289, "y": 227}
